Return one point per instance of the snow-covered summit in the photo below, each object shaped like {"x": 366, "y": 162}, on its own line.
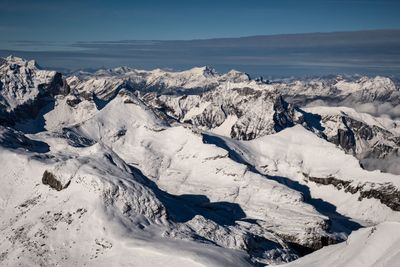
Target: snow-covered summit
{"x": 30, "y": 64}
{"x": 193, "y": 168}
{"x": 23, "y": 85}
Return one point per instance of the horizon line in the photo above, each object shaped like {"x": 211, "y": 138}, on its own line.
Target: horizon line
{"x": 207, "y": 39}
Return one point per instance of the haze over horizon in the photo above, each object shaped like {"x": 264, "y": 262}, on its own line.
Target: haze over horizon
{"x": 322, "y": 37}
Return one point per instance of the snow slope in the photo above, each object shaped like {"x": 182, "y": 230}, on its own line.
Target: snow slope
{"x": 128, "y": 167}
{"x": 369, "y": 247}
{"x": 23, "y": 82}
{"x": 300, "y": 155}
{"x": 181, "y": 164}
{"x": 103, "y": 214}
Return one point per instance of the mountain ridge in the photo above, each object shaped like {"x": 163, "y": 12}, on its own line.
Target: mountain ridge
{"x": 192, "y": 167}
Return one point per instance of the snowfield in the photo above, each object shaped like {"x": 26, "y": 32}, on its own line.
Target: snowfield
{"x": 372, "y": 246}
{"x": 126, "y": 167}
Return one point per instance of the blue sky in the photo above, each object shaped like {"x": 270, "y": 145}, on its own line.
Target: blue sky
{"x": 70, "y": 21}
{"x": 91, "y": 34}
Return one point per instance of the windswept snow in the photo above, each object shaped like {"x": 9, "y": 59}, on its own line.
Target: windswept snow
{"x": 298, "y": 154}
{"x": 369, "y": 247}
{"x": 128, "y": 167}
{"x": 225, "y": 128}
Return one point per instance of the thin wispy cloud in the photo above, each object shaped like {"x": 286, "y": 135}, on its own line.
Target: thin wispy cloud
{"x": 367, "y": 52}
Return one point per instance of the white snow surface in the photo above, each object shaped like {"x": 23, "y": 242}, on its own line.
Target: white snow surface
{"x": 296, "y": 152}
{"x": 128, "y": 186}
{"x": 369, "y": 247}
{"x": 20, "y": 80}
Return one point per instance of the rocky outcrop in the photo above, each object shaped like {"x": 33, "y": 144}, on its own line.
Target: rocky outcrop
{"x": 258, "y": 112}
{"x": 74, "y": 139}
{"x": 360, "y": 134}
{"x": 51, "y": 180}
{"x": 255, "y": 240}
{"x": 253, "y": 108}
{"x": 275, "y": 225}
{"x": 312, "y": 244}
{"x": 283, "y": 115}
{"x": 13, "y": 139}
{"x": 386, "y": 193}
{"x": 25, "y": 89}
{"x": 345, "y": 139}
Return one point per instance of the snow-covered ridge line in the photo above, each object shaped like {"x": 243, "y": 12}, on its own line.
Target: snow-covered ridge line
{"x": 189, "y": 168}
{"x": 369, "y": 247}
{"x": 387, "y": 193}
{"x": 25, "y": 89}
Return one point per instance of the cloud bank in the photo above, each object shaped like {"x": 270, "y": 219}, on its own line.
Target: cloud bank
{"x": 364, "y": 52}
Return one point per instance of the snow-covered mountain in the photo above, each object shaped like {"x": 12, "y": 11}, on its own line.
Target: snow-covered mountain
{"x": 25, "y": 89}
{"x": 373, "y": 246}
{"x": 245, "y": 113}
{"x": 194, "y": 168}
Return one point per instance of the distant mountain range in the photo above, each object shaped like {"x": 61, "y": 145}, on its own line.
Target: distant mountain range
{"x": 128, "y": 167}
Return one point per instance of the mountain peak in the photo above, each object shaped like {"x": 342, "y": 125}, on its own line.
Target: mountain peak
{"x": 13, "y": 60}
{"x": 206, "y": 71}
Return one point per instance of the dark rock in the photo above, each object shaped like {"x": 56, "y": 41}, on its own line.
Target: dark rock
{"x": 14, "y": 139}
{"x": 2, "y": 61}
{"x": 51, "y": 180}
{"x": 73, "y": 101}
{"x": 345, "y": 139}
{"x": 315, "y": 243}
{"x": 283, "y": 116}
{"x": 246, "y": 91}
{"x": 75, "y": 139}
{"x": 386, "y": 193}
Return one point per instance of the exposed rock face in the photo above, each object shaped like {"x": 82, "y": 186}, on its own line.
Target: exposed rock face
{"x": 73, "y": 100}
{"x": 128, "y": 163}
{"x": 51, "y": 180}
{"x": 75, "y": 139}
{"x": 25, "y": 89}
{"x": 13, "y": 139}
{"x": 284, "y": 114}
{"x": 345, "y": 139}
{"x": 386, "y": 193}
{"x": 313, "y": 244}
{"x": 257, "y": 113}
{"x": 247, "y": 109}
{"x": 361, "y": 135}
{"x": 255, "y": 244}
{"x": 340, "y": 91}
{"x": 106, "y": 83}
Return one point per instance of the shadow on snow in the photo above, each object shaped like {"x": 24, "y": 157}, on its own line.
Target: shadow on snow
{"x": 339, "y": 223}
